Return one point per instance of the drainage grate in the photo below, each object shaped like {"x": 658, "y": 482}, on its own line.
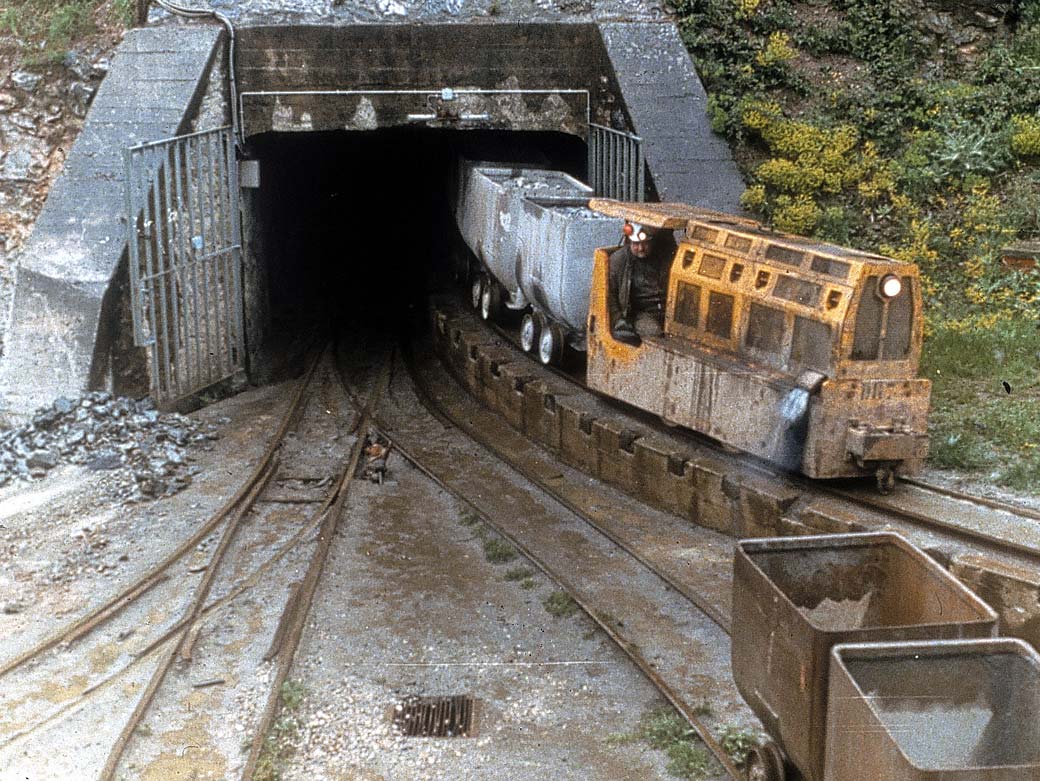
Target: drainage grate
{"x": 435, "y": 717}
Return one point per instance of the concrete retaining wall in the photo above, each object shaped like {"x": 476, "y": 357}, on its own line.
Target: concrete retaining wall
{"x": 65, "y": 333}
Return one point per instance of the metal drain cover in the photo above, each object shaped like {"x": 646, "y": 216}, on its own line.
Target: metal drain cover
{"x": 435, "y": 717}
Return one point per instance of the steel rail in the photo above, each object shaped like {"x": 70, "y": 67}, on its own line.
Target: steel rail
{"x": 246, "y": 584}
{"x": 630, "y": 649}
{"x": 158, "y": 573}
{"x": 187, "y": 621}
{"x": 294, "y": 619}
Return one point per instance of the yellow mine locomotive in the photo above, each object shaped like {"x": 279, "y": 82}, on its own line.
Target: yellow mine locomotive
{"x": 802, "y": 352}
{"x": 794, "y": 350}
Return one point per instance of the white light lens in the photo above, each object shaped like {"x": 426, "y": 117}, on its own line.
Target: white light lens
{"x": 891, "y": 286}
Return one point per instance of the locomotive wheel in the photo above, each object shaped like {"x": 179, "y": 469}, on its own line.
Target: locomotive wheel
{"x": 490, "y": 300}
{"x": 886, "y": 480}
{"x": 766, "y": 763}
{"x": 476, "y": 290}
{"x": 550, "y": 344}
{"x": 530, "y": 332}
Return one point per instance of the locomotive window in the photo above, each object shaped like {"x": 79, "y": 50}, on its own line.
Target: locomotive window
{"x": 811, "y": 343}
{"x": 761, "y": 280}
{"x": 784, "y": 255}
{"x": 765, "y": 330}
{"x": 687, "y": 258}
{"x": 738, "y": 243}
{"x": 868, "y": 323}
{"x": 720, "y": 314}
{"x": 830, "y": 267}
{"x": 900, "y": 325}
{"x": 705, "y": 234}
{"x": 712, "y": 266}
{"x": 797, "y": 290}
{"x": 688, "y": 304}
{"x": 736, "y": 272}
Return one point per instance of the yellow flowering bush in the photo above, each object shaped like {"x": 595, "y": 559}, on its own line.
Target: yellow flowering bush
{"x": 799, "y": 214}
{"x": 747, "y": 8}
{"x": 777, "y": 51}
{"x": 1025, "y": 136}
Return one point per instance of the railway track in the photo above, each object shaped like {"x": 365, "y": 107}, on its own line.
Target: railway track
{"x": 253, "y": 543}
{"x": 617, "y": 526}
{"x": 944, "y": 519}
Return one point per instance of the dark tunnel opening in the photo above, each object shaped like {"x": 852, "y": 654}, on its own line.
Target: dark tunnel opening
{"x": 352, "y": 229}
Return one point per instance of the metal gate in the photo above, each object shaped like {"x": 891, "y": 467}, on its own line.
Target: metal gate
{"x": 185, "y": 260}
{"x": 616, "y": 166}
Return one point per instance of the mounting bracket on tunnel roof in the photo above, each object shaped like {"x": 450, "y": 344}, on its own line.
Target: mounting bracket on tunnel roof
{"x": 670, "y": 216}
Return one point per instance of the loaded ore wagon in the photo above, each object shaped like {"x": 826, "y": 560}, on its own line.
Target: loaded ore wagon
{"x": 532, "y": 235}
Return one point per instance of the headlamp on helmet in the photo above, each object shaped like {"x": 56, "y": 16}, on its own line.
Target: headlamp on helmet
{"x": 636, "y": 232}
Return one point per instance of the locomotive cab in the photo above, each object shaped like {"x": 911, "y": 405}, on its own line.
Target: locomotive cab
{"x": 801, "y": 352}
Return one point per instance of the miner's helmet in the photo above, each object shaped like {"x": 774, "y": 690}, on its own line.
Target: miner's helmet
{"x": 635, "y": 231}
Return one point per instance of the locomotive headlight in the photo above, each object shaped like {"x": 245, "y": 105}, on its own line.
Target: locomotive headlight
{"x": 890, "y": 286}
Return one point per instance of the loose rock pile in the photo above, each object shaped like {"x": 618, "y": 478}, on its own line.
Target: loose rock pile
{"x": 106, "y": 433}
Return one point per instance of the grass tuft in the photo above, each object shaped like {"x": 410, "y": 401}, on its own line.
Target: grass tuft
{"x": 559, "y": 605}
{"x": 519, "y": 573}
{"x": 498, "y": 551}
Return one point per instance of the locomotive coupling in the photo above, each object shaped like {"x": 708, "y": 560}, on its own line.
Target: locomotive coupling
{"x": 866, "y": 443}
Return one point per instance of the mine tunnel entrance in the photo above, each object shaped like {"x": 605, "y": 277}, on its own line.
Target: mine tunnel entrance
{"x": 349, "y": 230}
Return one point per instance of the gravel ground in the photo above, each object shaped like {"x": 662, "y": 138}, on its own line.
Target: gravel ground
{"x": 69, "y": 544}
{"x": 410, "y": 606}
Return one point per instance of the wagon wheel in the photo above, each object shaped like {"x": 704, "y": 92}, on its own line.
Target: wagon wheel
{"x": 476, "y": 290}
{"x": 766, "y": 763}
{"x": 490, "y": 300}
{"x": 886, "y": 480}
{"x": 530, "y": 331}
{"x": 550, "y": 344}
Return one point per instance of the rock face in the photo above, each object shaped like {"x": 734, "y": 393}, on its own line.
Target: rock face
{"x": 153, "y": 450}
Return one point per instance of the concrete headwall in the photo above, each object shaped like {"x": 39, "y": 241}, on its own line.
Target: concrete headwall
{"x": 394, "y": 57}
{"x": 69, "y": 284}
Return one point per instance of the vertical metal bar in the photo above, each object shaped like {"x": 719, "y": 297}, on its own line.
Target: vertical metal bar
{"x": 184, "y": 181}
{"x": 159, "y": 327}
{"x": 144, "y": 176}
{"x": 203, "y": 260}
{"x": 629, "y": 170}
{"x": 173, "y": 263}
{"x": 217, "y": 253}
{"x": 184, "y": 341}
{"x": 227, "y": 254}
{"x": 214, "y": 347}
{"x": 133, "y": 249}
{"x": 236, "y": 253}
{"x": 641, "y": 173}
{"x": 613, "y": 165}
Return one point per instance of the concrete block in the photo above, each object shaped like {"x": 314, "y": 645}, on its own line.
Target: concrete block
{"x": 577, "y": 444}
{"x": 510, "y": 392}
{"x": 714, "y": 508}
{"x": 664, "y": 477}
{"x": 615, "y": 449}
{"x": 1013, "y": 592}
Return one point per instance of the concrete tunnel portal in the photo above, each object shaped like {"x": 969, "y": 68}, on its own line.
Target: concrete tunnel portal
{"x": 354, "y": 132}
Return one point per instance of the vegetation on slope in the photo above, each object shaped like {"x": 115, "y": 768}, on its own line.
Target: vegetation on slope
{"x": 913, "y": 131}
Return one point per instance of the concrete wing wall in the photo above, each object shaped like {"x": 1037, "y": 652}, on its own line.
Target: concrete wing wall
{"x": 668, "y": 108}
{"x": 56, "y": 334}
